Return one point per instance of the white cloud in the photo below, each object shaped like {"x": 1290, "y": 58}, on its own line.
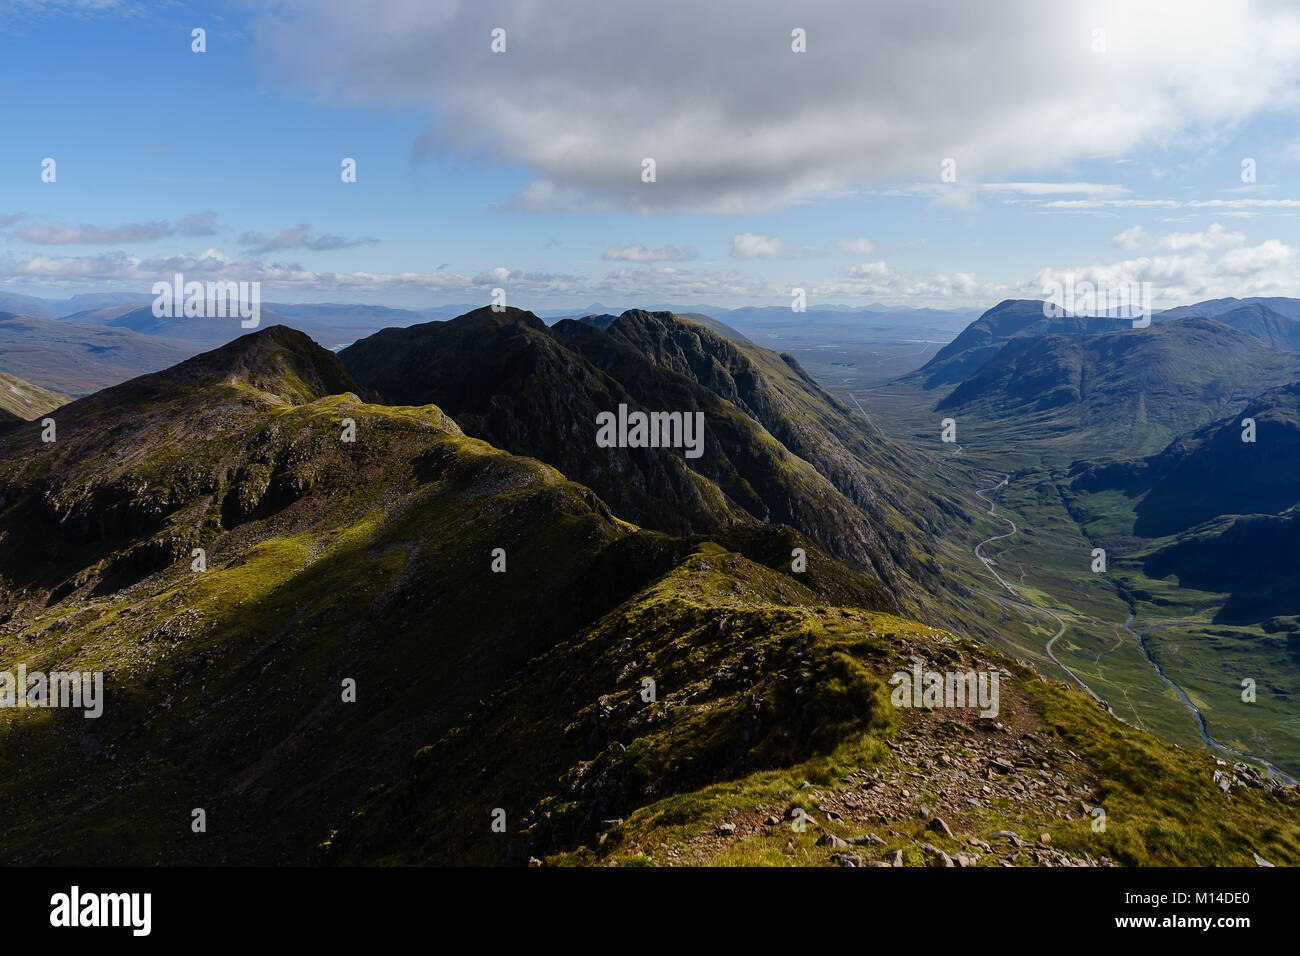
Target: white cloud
{"x": 872, "y": 271}
{"x": 1216, "y": 237}
{"x": 879, "y": 280}
{"x": 1129, "y": 238}
{"x": 749, "y": 245}
{"x": 1199, "y": 273}
{"x": 199, "y": 224}
{"x": 568, "y": 101}
{"x": 1054, "y": 189}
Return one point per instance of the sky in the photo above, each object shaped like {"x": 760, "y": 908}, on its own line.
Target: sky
{"x": 921, "y": 154}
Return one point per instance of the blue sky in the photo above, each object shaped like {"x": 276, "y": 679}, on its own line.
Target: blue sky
{"x": 521, "y": 170}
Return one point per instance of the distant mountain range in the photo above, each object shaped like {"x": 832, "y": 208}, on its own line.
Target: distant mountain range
{"x": 1274, "y": 321}
{"x": 1119, "y": 393}
{"x": 77, "y": 359}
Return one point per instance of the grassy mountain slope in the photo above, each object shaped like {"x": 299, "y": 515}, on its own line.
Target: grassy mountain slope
{"x": 768, "y": 701}
{"x": 1211, "y": 494}
{"x": 1121, "y": 394}
{"x": 371, "y": 560}
{"x": 1211, "y": 471}
{"x": 984, "y": 338}
{"x": 326, "y": 560}
{"x": 27, "y": 401}
{"x": 224, "y": 686}
{"x": 1204, "y": 539}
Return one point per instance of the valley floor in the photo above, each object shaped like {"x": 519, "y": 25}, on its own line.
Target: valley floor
{"x": 1150, "y": 649}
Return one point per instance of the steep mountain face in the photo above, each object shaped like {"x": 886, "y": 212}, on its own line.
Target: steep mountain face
{"x": 773, "y": 390}
{"x": 1212, "y": 471}
{"x": 1120, "y": 393}
{"x": 505, "y": 379}
{"x": 710, "y": 323}
{"x": 1252, "y": 559}
{"x": 984, "y": 338}
{"x": 26, "y": 401}
{"x": 1219, "y": 496}
{"x": 777, "y": 448}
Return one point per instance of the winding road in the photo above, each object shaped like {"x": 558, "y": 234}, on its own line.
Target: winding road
{"x": 988, "y": 564}
{"x": 1182, "y": 695}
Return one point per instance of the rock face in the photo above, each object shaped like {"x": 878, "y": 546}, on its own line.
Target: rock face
{"x": 778, "y": 448}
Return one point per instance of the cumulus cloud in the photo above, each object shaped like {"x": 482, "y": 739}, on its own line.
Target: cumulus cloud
{"x": 1199, "y": 272}
{"x": 639, "y": 253}
{"x": 1001, "y": 87}
{"x": 873, "y": 271}
{"x": 1195, "y": 273}
{"x": 879, "y": 280}
{"x": 1216, "y": 237}
{"x": 749, "y": 245}
{"x": 1129, "y": 238}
